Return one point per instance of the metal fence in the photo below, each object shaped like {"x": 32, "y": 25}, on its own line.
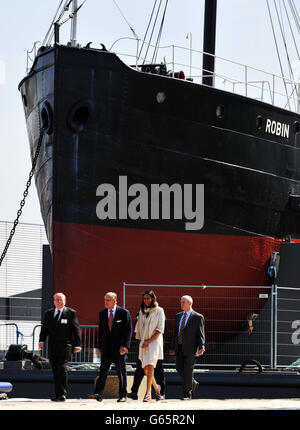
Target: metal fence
{"x": 9, "y": 334}
{"x": 241, "y": 323}
{"x": 89, "y": 337}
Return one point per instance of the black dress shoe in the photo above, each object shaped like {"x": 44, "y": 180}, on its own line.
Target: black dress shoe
{"x": 59, "y": 399}
{"x": 122, "y": 399}
{"x": 132, "y": 396}
{"x": 95, "y": 396}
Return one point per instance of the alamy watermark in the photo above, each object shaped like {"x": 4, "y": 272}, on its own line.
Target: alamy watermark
{"x": 166, "y": 202}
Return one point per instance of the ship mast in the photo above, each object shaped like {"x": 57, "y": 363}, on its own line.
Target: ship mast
{"x": 209, "y": 42}
{"x": 74, "y": 24}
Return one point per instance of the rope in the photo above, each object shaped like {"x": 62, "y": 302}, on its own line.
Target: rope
{"x": 284, "y": 41}
{"x": 295, "y": 14}
{"x": 147, "y": 29}
{"x": 288, "y": 18}
{"x": 47, "y": 34}
{"x": 131, "y": 28}
{"x": 277, "y": 49}
{"x": 159, "y": 33}
{"x": 154, "y": 25}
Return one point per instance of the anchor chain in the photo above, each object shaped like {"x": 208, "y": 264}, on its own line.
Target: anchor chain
{"x": 25, "y": 193}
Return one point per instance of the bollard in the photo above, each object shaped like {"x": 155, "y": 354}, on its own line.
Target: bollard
{"x": 5, "y": 387}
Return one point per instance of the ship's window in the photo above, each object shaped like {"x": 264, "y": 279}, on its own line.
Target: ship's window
{"x": 259, "y": 122}
{"x": 47, "y": 117}
{"x": 160, "y": 97}
{"x": 78, "y": 115}
{"x": 296, "y": 127}
{"x": 220, "y": 111}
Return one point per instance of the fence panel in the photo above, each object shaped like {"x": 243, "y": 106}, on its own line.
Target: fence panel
{"x": 288, "y": 327}
{"x": 238, "y": 324}
{"x": 89, "y": 337}
{"x": 9, "y": 334}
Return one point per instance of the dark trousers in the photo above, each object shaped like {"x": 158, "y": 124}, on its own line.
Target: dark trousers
{"x": 139, "y": 373}
{"x": 185, "y": 368}
{"x": 120, "y": 362}
{"x": 60, "y": 374}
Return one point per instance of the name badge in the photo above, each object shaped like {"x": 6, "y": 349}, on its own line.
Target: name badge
{"x": 63, "y": 321}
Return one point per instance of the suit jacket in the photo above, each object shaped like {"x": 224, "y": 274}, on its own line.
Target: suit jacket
{"x": 62, "y": 335}
{"x": 193, "y": 334}
{"x": 120, "y": 335}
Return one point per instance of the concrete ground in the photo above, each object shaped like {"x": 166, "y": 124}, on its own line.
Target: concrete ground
{"x": 26, "y": 404}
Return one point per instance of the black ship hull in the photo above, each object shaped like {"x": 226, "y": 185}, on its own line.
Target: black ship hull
{"x": 104, "y": 121}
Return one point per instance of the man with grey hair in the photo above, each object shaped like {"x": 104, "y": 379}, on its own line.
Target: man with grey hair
{"x": 60, "y": 325}
{"x": 188, "y": 343}
{"x": 114, "y": 336}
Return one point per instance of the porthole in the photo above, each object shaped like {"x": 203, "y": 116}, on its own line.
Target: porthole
{"x": 160, "y": 97}
{"x": 47, "y": 117}
{"x": 220, "y": 111}
{"x": 259, "y": 122}
{"x": 79, "y": 115}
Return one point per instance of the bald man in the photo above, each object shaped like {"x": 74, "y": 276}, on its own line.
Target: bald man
{"x": 188, "y": 343}
{"x": 60, "y": 325}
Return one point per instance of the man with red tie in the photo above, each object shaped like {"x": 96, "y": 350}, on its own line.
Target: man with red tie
{"x": 114, "y": 336}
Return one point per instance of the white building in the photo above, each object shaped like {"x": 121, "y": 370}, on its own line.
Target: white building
{"x": 21, "y": 284}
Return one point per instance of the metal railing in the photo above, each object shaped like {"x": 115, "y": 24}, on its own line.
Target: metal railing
{"x": 9, "y": 334}
{"x": 89, "y": 340}
{"x": 252, "y": 82}
{"x": 241, "y": 323}
{"x": 281, "y": 91}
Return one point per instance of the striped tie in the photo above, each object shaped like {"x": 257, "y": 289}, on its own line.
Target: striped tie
{"x": 180, "y": 332}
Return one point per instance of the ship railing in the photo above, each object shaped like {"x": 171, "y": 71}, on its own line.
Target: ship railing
{"x": 30, "y": 55}
{"x": 272, "y": 88}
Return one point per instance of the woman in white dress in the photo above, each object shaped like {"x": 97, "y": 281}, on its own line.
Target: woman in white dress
{"x": 149, "y": 330}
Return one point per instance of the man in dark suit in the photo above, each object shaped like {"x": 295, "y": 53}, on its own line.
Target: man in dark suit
{"x": 114, "y": 336}
{"x": 60, "y": 325}
{"x": 188, "y": 343}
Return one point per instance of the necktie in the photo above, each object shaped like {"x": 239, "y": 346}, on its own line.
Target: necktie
{"x": 57, "y": 316}
{"x": 110, "y": 320}
{"x": 181, "y": 328}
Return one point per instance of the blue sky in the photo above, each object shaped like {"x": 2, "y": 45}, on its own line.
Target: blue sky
{"x": 243, "y": 35}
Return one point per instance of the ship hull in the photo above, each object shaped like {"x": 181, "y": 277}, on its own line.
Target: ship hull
{"x": 104, "y": 121}
{"x": 91, "y": 260}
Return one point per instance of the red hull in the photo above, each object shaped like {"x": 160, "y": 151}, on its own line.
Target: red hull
{"x": 91, "y": 260}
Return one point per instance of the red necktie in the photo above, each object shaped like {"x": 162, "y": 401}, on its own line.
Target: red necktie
{"x": 110, "y": 320}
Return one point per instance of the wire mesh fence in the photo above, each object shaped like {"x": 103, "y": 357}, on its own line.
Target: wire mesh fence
{"x": 238, "y": 323}
{"x": 241, "y": 323}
